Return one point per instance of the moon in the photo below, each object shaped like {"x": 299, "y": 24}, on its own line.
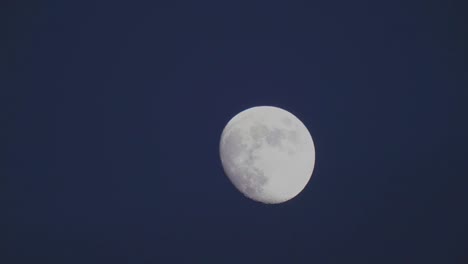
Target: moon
{"x": 267, "y": 153}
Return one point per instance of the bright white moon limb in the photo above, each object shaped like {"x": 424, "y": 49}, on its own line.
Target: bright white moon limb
{"x": 267, "y": 153}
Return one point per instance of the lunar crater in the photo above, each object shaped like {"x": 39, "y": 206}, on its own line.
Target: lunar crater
{"x": 240, "y": 159}
{"x": 275, "y": 137}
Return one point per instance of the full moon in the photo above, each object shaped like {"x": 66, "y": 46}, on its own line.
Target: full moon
{"x": 267, "y": 153}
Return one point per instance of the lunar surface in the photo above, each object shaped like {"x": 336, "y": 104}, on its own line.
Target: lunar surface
{"x": 267, "y": 153}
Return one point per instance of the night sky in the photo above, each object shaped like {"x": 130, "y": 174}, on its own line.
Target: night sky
{"x": 112, "y": 112}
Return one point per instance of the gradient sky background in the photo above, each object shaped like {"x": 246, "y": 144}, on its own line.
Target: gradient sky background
{"x": 112, "y": 113}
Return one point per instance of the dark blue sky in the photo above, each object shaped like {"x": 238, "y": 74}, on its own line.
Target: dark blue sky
{"x": 112, "y": 113}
